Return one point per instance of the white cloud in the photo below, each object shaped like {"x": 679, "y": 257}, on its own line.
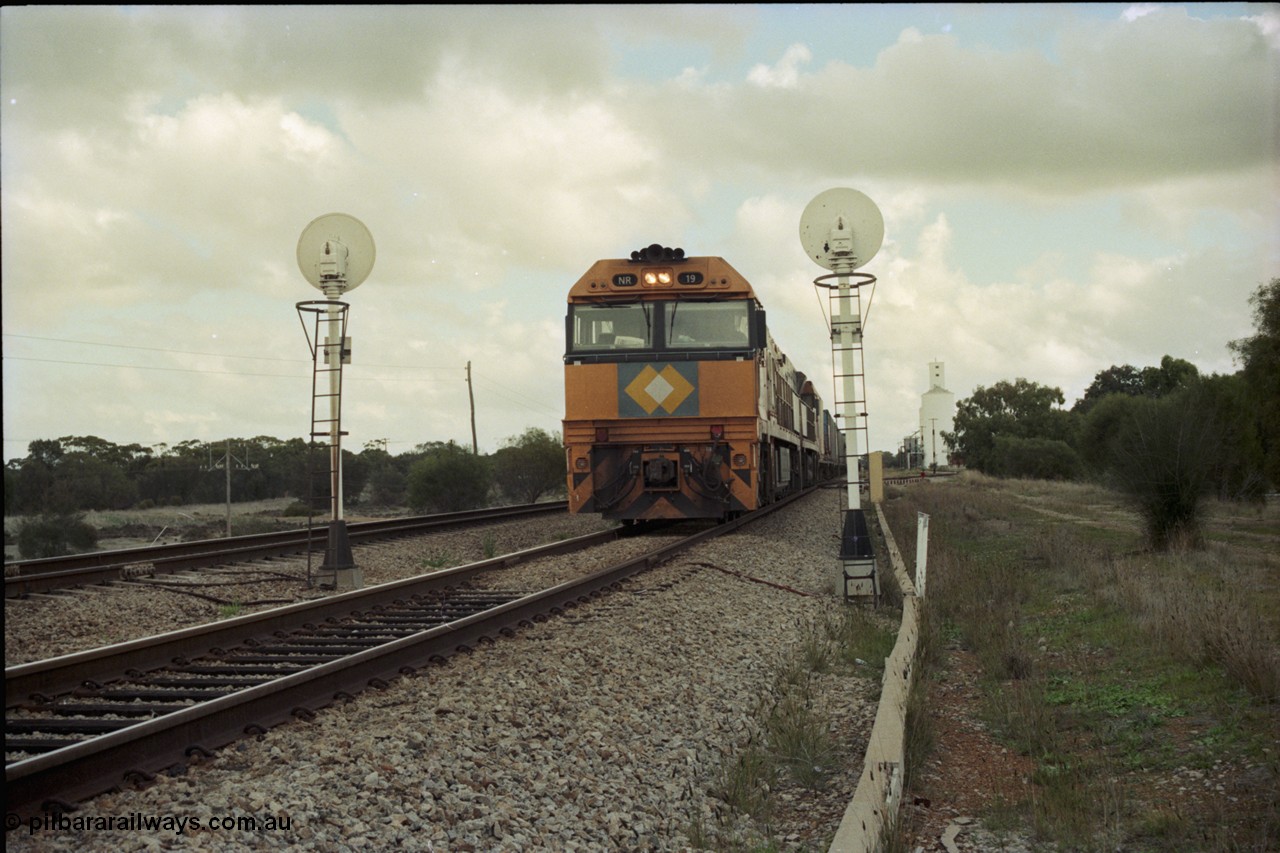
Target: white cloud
{"x": 159, "y": 163}
{"x": 1139, "y": 10}
{"x": 1268, "y": 24}
{"x": 786, "y": 73}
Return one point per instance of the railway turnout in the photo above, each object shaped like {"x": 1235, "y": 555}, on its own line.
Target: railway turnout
{"x": 193, "y": 691}
{"x": 101, "y": 567}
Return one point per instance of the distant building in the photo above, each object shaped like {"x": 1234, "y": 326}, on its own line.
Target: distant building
{"x": 937, "y": 415}
{"x": 912, "y": 457}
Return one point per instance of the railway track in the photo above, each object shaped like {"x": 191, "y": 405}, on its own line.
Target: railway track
{"x": 103, "y": 567}
{"x": 919, "y": 478}
{"x": 92, "y": 721}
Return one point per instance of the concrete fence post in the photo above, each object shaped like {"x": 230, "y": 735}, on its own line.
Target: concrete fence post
{"x": 922, "y": 551}
{"x": 874, "y": 808}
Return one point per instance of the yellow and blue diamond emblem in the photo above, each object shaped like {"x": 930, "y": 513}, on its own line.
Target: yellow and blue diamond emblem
{"x": 647, "y": 390}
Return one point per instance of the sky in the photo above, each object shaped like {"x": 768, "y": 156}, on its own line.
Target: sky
{"x": 1064, "y": 188}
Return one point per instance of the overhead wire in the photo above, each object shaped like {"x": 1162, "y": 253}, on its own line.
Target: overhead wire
{"x": 206, "y": 354}
{"x": 530, "y": 403}
{"x": 210, "y": 371}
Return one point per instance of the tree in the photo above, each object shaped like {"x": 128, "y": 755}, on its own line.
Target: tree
{"x": 447, "y": 479}
{"x": 173, "y": 476}
{"x": 1018, "y": 409}
{"x": 90, "y": 477}
{"x": 32, "y": 487}
{"x": 386, "y": 481}
{"x": 1239, "y": 465}
{"x": 1164, "y": 459}
{"x": 10, "y": 489}
{"x": 1035, "y": 458}
{"x": 530, "y": 466}
{"x": 387, "y": 486}
{"x": 355, "y": 475}
{"x": 1172, "y": 374}
{"x": 1117, "y": 379}
{"x": 1101, "y": 427}
{"x": 1260, "y": 355}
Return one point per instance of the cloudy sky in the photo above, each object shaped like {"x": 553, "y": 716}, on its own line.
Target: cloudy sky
{"x": 1064, "y": 188}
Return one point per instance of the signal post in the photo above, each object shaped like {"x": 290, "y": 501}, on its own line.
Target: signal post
{"x": 335, "y": 253}
{"x": 840, "y": 230}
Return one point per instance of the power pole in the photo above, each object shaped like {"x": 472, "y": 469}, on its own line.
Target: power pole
{"x": 475, "y": 446}
{"x": 933, "y": 423}
{"x": 225, "y": 463}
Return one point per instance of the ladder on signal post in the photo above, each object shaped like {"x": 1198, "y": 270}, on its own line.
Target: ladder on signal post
{"x": 330, "y": 349}
{"x": 849, "y": 368}
{"x": 857, "y": 554}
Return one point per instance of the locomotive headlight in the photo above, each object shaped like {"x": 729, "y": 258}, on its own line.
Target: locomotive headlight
{"x": 739, "y": 460}
{"x": 657, "y": 278}
{"x": 580, "y": 464}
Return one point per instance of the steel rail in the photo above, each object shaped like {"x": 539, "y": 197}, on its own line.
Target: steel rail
{"x": 57, "y": 675}
{"x": 44, "y": 575}
{"x": 906, "y": 481}
{"x": 58, "y": 779}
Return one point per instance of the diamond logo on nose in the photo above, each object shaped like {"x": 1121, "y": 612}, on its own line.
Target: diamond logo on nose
{"x": 658, "y": 389}
{"x": 653, "y": 389}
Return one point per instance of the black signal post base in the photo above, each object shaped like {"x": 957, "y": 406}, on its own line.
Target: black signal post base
{"x": 339, "y": 560}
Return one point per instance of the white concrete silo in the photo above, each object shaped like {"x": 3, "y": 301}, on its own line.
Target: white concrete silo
{"x": 937, "y": 415}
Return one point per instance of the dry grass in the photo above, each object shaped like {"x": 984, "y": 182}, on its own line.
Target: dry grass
{"x": 1195, "y": 606}
{"x": 1095, "y": 651}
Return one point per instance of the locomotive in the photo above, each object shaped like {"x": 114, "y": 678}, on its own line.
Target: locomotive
{"x": 678, "y": 402}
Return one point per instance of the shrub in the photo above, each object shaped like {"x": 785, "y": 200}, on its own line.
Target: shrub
{"x": 1034, "y": 458}
{"x": 296, "y": 509}
{"x": 55, "y": 535}
{"x": 530, "y": 466}
{"x": 449, "y": 478}
{"x": 1164, "y": 460}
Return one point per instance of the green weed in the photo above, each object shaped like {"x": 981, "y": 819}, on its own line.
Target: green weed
{"x": 798, "y": 739}
{"x": 1103, "y": 665}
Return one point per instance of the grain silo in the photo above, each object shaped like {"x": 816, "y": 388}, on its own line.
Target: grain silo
{"x": 937, "y": 415}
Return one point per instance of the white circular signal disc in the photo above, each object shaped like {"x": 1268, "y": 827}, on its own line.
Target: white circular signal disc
{"x": 856, "y": 212}
{"x": 344, "y": 229}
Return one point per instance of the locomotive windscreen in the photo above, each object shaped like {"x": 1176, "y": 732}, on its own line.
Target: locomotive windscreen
{"x": 708, "y": 324}
{"x": 610, "y": 327}
{"x": 666, "y": 325}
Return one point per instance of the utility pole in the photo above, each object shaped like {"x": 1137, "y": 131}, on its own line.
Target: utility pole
{"x": 225, "y": 463}
{"x": 933, "y": 426}
{"x": 475, "y": 446}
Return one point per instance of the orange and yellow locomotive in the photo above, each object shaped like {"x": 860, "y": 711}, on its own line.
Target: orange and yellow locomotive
{"x": 678, "y": 403}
